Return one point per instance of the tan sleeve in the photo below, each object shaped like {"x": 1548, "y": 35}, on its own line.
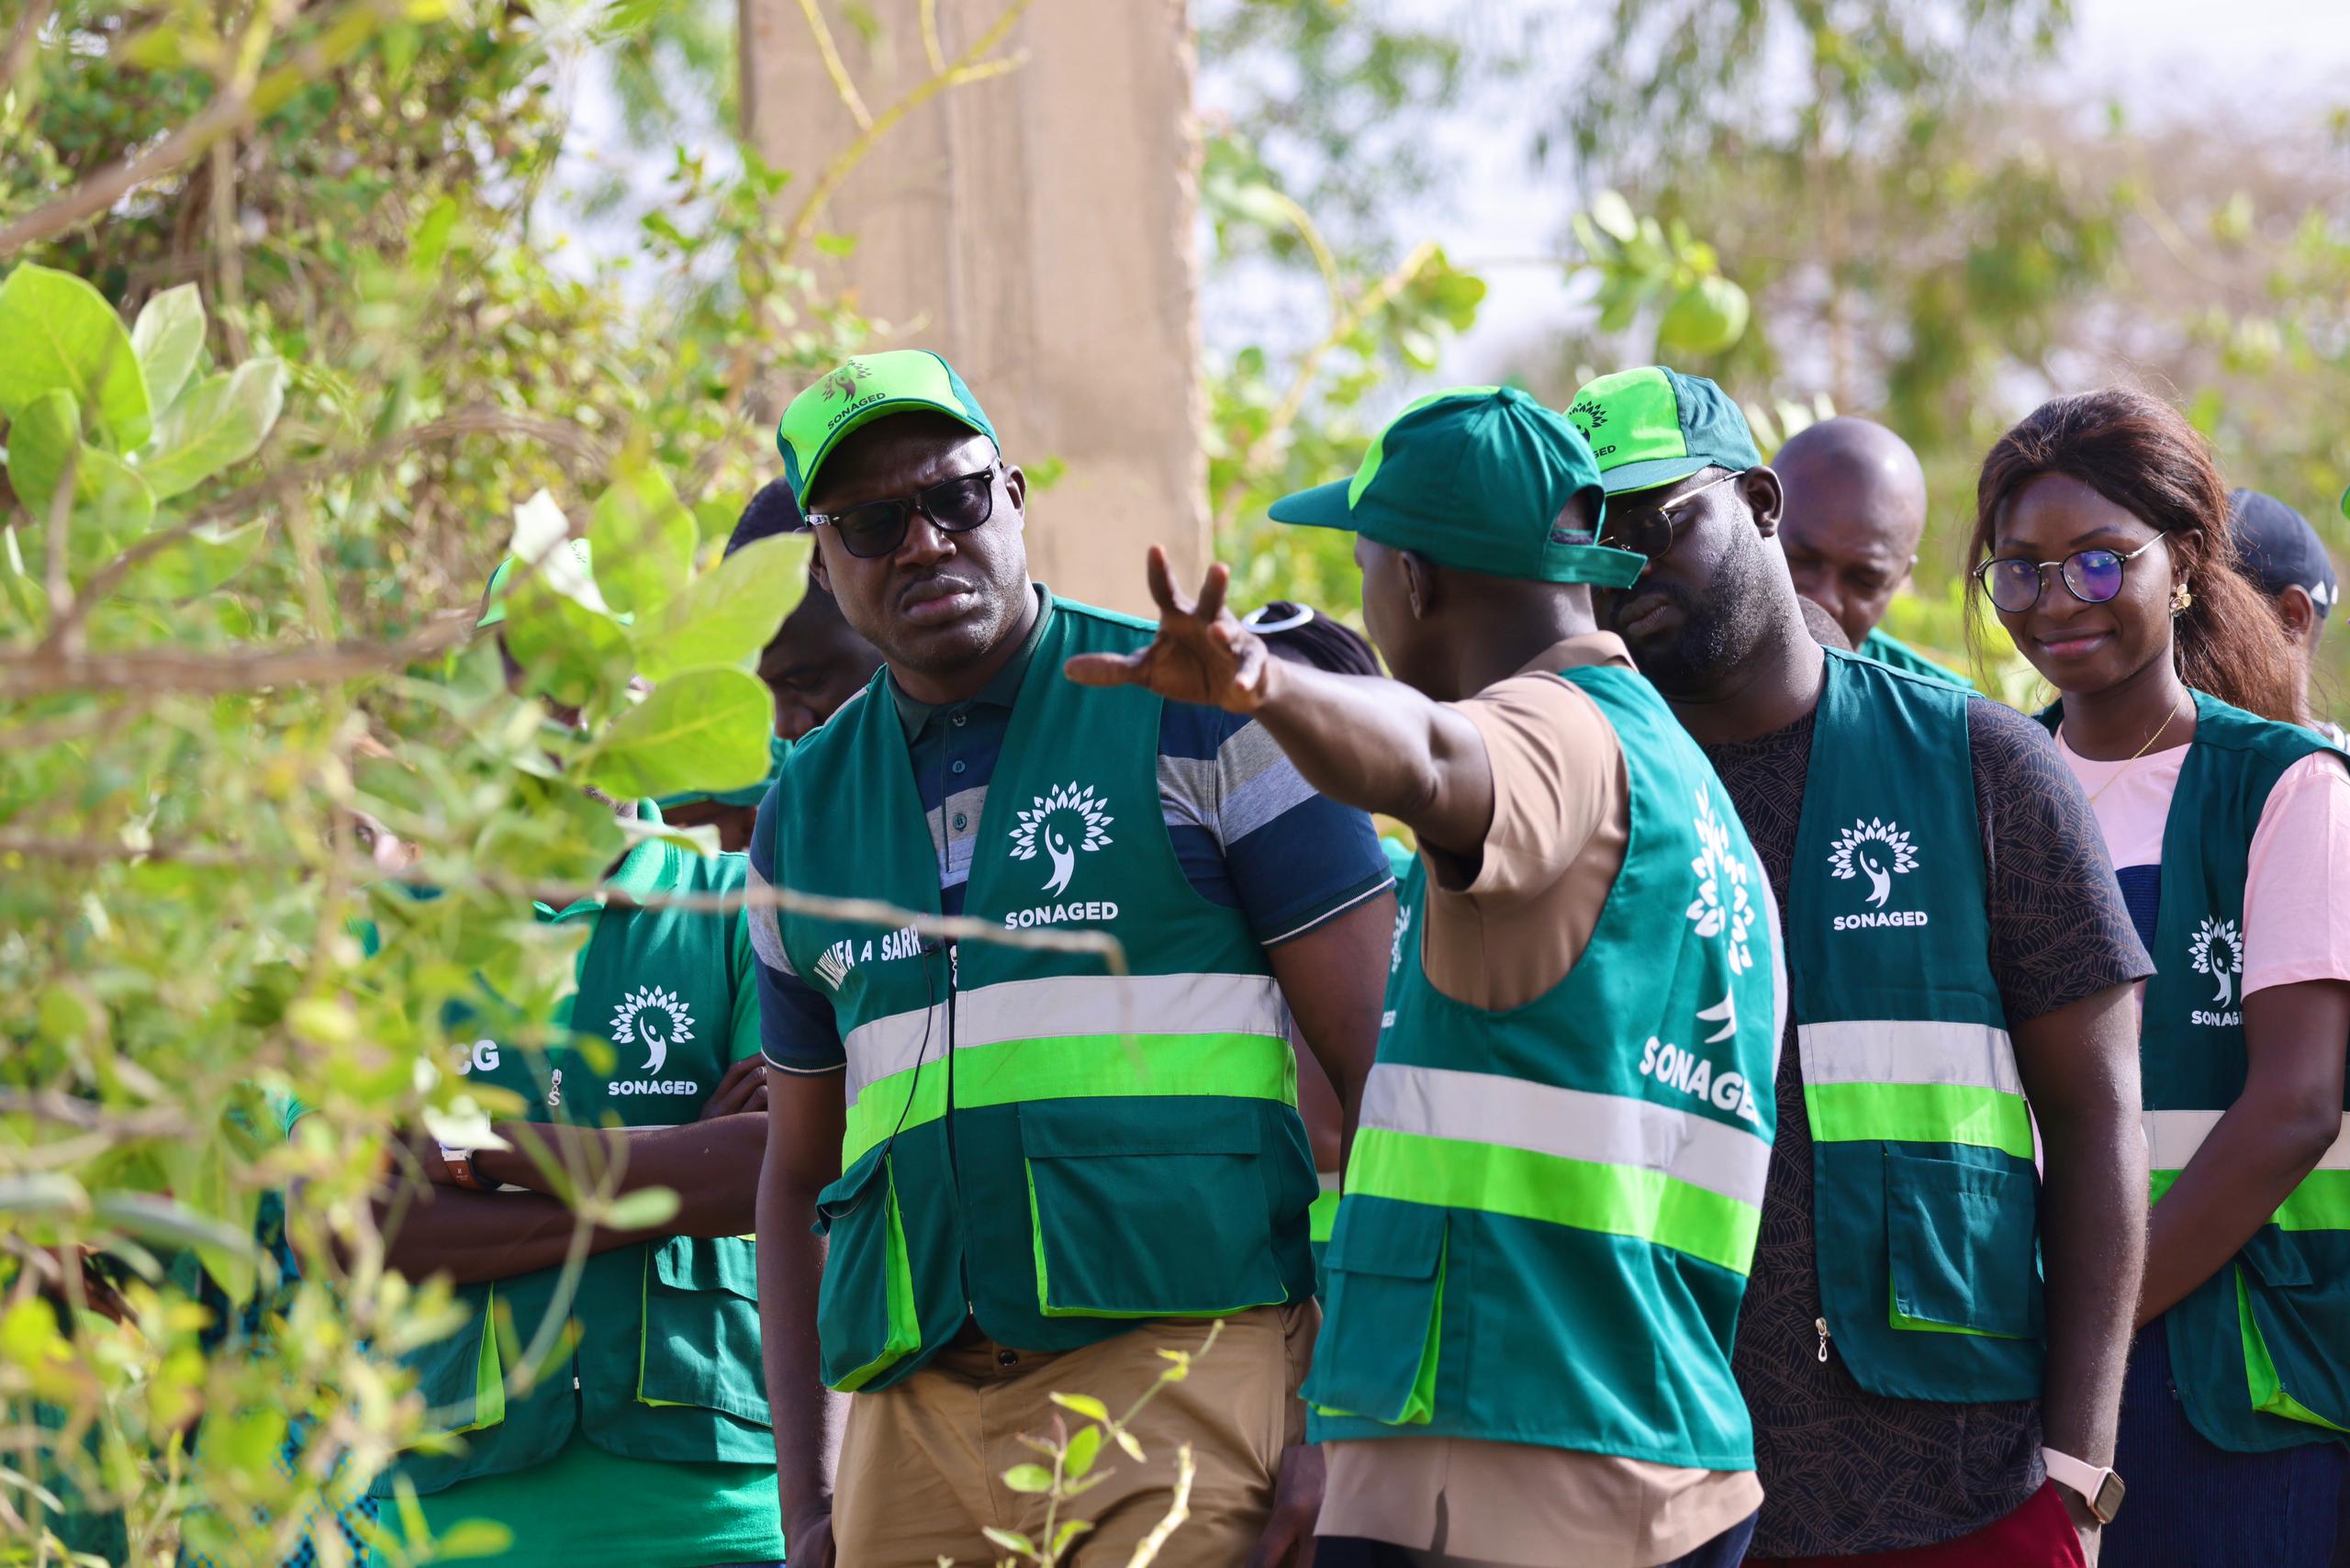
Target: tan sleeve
{"x": 1556, "y": 770}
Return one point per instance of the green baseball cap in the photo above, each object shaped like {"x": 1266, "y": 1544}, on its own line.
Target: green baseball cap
{"x": 575, "y": 558}
{"x": 1475, "y": 478}
{"x": 1651, "y": 426}
{"x": 864, "y": 389}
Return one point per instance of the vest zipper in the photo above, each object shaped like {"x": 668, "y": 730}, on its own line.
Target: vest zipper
{"x": 1821, "y": 1324}
{"x": 954, "y": 1170}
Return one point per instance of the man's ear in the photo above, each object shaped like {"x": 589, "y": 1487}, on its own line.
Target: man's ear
{"x": 1420, "y": 580}
{"x": 818, "y": 572}
{"x": 1016, "y": 485}
{"x": 2297, "y": 610}
{"x": 1764, "y": 498}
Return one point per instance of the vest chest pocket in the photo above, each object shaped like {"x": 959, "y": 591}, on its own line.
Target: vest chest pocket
{"x": 701, "y": 1327}
{"x": 2293, "y": 1311}
{"x": 1961, "y": 1240}
{"x": 1377, "y": 1355}
{"x": 865, "y": 1316}
{"x": 1150, "y": 1207}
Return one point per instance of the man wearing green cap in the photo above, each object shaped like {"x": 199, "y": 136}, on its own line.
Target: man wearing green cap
{"x": 1930, "y": 1305}
{"x": 647, "y": 1441}
{"x": 1034, "y": 1171}
{"x": 1557, "y": 1175}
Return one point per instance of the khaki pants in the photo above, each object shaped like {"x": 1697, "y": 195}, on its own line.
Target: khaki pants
{"x": 921, "y": 1465}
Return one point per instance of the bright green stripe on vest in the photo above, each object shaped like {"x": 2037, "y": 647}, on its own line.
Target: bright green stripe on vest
{"x": 1620, "y": 1200}
{"x": 1074, "y": 1067}
{"x": 2321, "y": 1203}
{"x": 1918, "y": 1112}
{"x": 1322, "y": 1218}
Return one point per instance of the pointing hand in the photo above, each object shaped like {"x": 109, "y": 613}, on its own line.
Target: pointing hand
{"x": 1202, "y": 654}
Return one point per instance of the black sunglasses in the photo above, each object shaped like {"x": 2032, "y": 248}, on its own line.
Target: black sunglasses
{"x": 2092, "y": 576}
{"x": 877, "y": 528}
{"x": 1649, "y": 531}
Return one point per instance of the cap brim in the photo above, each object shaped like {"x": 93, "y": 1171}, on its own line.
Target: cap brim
{"x": 882, "y": 410}
{"x": 1324, "y": 505}
{"x": 1650, "y": 473}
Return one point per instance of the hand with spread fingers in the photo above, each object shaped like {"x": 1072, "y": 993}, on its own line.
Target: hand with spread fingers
{"x": 1203, "y": 652}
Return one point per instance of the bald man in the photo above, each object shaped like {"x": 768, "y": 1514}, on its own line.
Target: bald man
{"x": 1855, "y": 507}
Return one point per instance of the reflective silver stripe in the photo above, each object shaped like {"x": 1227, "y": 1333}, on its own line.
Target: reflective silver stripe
{"x": 2172, "y": 1137}
{"x": 1062, "y": 1005}
{"x": 1893, "y": 1050}
{"x": 1331, "y": 1181}
{"x": 767, "y": 930}
{"x": 883, "y": 1045}
{"x": 1572, "y": 1123}
{"x": 1120, "y": 1005}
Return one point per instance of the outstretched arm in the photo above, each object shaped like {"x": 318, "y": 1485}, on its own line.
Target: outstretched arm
{"x": 1369, "y": 743}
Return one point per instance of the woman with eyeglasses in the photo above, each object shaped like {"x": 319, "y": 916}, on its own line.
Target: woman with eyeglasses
{"x": 2102, "y": 543}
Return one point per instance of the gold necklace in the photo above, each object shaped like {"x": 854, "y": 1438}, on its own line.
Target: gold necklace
{"x": 2142, "y": 751}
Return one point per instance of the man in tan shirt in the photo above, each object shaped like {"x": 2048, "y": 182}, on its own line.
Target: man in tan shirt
{"x": 1476, "y": 513}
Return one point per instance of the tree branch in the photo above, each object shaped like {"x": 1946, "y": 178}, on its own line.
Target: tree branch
{"x": 830, "y": 54}
{"x": 179, "y": 669}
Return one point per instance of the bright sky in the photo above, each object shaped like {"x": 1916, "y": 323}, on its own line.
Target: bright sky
{"x": 2160, "y": 58}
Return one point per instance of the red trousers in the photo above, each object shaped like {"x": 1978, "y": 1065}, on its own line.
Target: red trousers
{"x": 2038, "y": 1535}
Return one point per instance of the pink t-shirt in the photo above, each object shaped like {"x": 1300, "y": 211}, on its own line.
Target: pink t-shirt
{"x": 2296, "y": 891}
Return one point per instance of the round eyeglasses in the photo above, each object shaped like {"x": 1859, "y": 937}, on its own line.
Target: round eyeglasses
{"x": 2013, "y": 583}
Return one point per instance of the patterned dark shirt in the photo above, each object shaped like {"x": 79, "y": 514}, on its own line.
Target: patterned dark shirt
{"x": 1844, "y": 1471}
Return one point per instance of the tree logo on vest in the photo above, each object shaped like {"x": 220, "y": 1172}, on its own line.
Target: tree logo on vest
{"x": 2218, "y": 951}
{"x": 1724, "y": 906}
{"x": 654, "y": 1018}
{"x": 1064, "y": 822}
{"x": 1881, "y": 851}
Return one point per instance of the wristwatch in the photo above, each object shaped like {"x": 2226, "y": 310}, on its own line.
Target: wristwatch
{"x": 2097, "y": 1485}
{"x": 460, "y": 1162}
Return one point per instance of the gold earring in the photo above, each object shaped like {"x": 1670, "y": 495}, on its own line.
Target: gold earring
{"x": 2180, "y": 599}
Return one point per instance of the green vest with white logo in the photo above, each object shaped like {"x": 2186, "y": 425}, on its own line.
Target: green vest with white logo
{"x": 1034, "y": 1141}
{"x": 666, "y": 1363}
{"x": 1549, "y": 1211}
{"x": 1926, "y": 1200}
{"x": 2260, "y": 1350}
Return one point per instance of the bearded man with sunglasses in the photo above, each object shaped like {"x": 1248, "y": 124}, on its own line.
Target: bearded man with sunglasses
{"x": 1034, "y": 1172}
{"x": 1932, "y": 1340}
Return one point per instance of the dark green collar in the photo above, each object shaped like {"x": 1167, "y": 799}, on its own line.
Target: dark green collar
{"x": 1001, "y": 691}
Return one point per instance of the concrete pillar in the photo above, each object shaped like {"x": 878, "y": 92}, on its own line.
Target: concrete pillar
{"x": 1037, "y": 228}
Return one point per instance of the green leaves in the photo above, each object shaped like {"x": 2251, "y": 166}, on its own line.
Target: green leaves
{"x": 62, "y": 335}
{"x": 728, "y": 614}
{"x": 643, "y": 542}
{"x": 222, "y": 419}
{"x": 704, "y": 729}
{"x": 168, "y": 338}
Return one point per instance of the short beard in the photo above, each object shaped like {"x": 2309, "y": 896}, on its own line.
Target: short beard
{"x": 1720, "y": 627}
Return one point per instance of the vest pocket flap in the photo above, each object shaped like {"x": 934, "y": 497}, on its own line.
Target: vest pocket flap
{"x": 1377, "y": 1354}
{"x": 844, "y": 1196}
{"x": 728, "y": 1263}
{"x": 2277, "y": 1258}
{"x": 1394, "y": 1240}
{"x": 1077, "y": 1129}
{"x": 865, "y": 1320}
{"x": 1960, "y": 1241}
{"x": 1151, "y": 1207}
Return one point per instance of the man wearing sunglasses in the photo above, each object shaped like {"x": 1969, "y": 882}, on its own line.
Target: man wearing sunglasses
{"x": 1927, "y": 1309}
{"x": 1034, "y": 1169}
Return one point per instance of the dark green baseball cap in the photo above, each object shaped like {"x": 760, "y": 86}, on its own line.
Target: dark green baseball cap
{"x": 1475, "y": 478}
{"x": 1653, "y": 426}
{"x": 864, "y": 389}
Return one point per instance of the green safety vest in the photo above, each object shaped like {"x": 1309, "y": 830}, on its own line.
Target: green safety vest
{"x": 1033, "y": 1142}
{"x": 1549, "y": 1211}
{"x": 667, "y": 1363}
{"x": 2261, "y": 1351}
{"x": 1926, "y": 1200}
{"x": 1887, "y": 649}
